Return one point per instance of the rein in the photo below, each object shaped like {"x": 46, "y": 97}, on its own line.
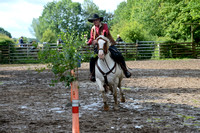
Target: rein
{"x": 105, "y": 74}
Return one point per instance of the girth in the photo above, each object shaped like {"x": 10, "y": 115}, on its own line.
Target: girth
{"x": 105, "y": 74}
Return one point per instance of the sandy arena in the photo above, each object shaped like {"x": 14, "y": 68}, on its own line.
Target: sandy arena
{"x": 161, "y": 97}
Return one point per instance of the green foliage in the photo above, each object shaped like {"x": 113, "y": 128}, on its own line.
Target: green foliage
{"x": 62, "y": 62}
{"x": 186, "y": 117}
{"x": 58, "y": 16}
{"x": 37, "y": 29}
{"x": 49, "y": 36}
{"x": 35, "y": 44}
{"x": 5, "y": 40}
{"x": 165, "y": 40}
{"x": 161, "y": 18}
{"x": 130, "y": 31}
{"x": 4, "y": 46}
{"x": 63, "y": 14}
{"x": 2, "y": 31}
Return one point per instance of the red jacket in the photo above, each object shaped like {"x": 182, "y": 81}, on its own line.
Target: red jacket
{"x": 101, "y": 30}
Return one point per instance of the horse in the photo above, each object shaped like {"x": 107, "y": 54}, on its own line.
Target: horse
{"x": 108, "y": 73}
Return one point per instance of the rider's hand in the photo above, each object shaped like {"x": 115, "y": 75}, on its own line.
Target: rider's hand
{"x": 94, "y": 42}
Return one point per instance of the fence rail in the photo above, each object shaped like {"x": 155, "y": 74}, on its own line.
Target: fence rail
{"x": 136, "y": 51}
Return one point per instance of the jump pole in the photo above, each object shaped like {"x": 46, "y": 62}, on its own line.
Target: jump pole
{"x": 75, "y": 105}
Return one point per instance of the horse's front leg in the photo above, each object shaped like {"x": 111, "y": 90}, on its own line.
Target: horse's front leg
{"x": 102, "y": 89}
{"x": 106, "y": 107}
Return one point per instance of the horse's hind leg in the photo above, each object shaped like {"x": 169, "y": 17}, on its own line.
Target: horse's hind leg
{"x": 121, "y": 93}
{"x": 115, "y": 98}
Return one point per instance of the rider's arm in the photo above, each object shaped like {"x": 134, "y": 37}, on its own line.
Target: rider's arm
{"x": 105, "y": 30}
{"x": 91, "y": 37}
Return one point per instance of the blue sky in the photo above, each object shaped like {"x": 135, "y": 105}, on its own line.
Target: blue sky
{"x": 17, "y": 15}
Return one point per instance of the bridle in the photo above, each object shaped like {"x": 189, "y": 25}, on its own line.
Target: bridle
{"x": 105, "y": 47}
{"x": 105, "y": 50}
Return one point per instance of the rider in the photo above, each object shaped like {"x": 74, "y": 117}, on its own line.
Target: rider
{"x": 100, "y": 28}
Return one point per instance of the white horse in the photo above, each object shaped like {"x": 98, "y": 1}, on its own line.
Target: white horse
{"x": 108, "y": 73}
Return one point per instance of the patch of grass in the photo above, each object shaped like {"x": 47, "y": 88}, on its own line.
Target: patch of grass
{"x": 157, "y": 119}
{"x": 149, "y": 120}
{"x": 167, "y": 125}
{"x": 196, "y": 125}
{"x": 186, "y": 117}
{"x": 124, "y": 88}
{"x": 196, "y": 101}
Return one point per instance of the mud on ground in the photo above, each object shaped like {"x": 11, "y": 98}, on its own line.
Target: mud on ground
{"x": 161, "y": 96}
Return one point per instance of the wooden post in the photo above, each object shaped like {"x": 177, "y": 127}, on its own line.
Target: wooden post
{"x": 158, "y": 50}
{"x": 9, "y": 52}
{"x": 137, "y": 49}
{"x": 192, "y": 36}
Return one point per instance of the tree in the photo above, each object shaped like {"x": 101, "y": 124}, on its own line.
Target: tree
{"x": 161, "y": 18}
{"x": 37, "y": 28}
{"x": 130, "y": 31}
{"x": 49, "y": 36}
{"x": 88, "y": 9}
{"x": 64, "y": 14}
{"x": 186, "y": 12}
{"x": 58, "y": 16}
{"x": 124, "y": 24}
{"x": 61, "y": 63}
{"x": 2, "y": 31}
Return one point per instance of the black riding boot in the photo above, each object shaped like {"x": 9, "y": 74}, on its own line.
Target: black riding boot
{"x": 92, "y": 68}
{"x": 118, "y": 57}
{"x": 125, "y": 70}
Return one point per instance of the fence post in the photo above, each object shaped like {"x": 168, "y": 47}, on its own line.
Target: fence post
{"x": 137, "y": 48}
{"x": 9, "y": 52}
{"x": 158, "y": 50}
{"x": 125, "y": 51}
{"x": 27, "y": 50}
{"x": 194, "y": 49}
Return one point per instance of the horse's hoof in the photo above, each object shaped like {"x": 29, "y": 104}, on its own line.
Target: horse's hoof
{"x": 123, "y": 100}
{"x": 106, "y": 107}
{"x": 116, "y": 108}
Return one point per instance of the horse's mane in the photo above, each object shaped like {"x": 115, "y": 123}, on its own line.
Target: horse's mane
{"x": 104, "y": 38}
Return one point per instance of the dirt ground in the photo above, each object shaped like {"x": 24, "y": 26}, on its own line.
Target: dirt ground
{"x": 161, "y": 97}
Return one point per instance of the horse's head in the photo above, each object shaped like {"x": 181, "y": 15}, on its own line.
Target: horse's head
{"x": 103, "y": 44}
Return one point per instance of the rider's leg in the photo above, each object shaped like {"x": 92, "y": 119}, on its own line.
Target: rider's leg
{"x": 92, "y": 65}
{"x": 92, "y": 68}
{"x": 118, "y": 57}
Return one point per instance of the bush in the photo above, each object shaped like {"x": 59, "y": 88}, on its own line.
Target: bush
{"x": 130, "y": 31}
{"x": 5, "y": 41}
{"x": 49, "y": 36}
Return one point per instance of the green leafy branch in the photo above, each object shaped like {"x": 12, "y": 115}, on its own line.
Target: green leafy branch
{"x": 62, "y": 61}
